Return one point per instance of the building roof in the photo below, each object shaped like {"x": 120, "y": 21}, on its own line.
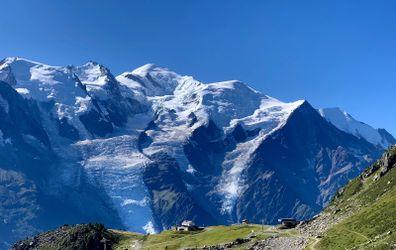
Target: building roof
{"x": 286, "y": 219}
{"x": 188, "y": 223}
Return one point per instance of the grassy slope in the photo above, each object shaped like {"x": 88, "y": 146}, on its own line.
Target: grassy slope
{"x": 175, "y": 240}
{"x": 374, "y": 206}
{"x": 126, "y": 239}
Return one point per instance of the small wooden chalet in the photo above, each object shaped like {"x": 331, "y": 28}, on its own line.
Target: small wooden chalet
{"x": 288, "y": 222}
{"x": 245, "y": 221}
{"x": 188, "y": 225}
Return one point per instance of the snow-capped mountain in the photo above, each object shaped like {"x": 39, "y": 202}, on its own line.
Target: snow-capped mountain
{"x": 149, "y": 148}
{"x": 347, "y": 123}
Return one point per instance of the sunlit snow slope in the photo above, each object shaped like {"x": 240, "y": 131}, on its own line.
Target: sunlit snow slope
{"x": 347, "y": 123}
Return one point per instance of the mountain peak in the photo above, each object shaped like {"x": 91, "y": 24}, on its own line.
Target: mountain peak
{"x": 152, "y": 80}
{"x": 145, "y": 69}
{"x": 232, "y": 84}
{"x": 344, "y": 121}
{"x": 151, "y": 69}
{"x": 21, "y": 62}
{"x": 93, "y": 73}
{"x": 12, "y": 59}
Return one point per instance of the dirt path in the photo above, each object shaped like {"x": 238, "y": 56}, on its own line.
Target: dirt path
{"x": 357, "y": 233}
{"x": 136, "y": 245}
{"x": 282, "y": 243}
{"x": 312, "y": 245}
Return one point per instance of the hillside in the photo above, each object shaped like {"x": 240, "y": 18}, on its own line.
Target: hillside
{"x": 369, "y": 205}
{"x": 363, "y": 214}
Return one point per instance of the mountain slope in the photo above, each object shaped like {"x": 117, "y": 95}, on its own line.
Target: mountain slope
{"x": 323, "y": 159}
{"x": 372, "y": 198}
{"x": 362, "y": 214}
{"x": 149, "y": 148}
{"x": 347, "y": 123}
{"x": 34, "y": 194}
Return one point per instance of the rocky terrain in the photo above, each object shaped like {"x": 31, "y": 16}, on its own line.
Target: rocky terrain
{"x": 87, "y": 236}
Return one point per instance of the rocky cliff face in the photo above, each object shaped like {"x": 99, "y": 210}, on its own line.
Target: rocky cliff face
{"x": 149, "y": 148}
{"x": 33, "y": 195}
{"x": 296, "y": 171}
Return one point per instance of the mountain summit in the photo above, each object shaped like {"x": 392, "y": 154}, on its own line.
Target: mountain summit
{"x": 347, "y": 123}
{"x": 149, "y": 148}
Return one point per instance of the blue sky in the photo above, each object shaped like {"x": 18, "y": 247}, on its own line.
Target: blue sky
{"x": 332, "y": 53}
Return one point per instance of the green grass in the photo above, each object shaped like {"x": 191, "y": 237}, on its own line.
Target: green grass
{"x": 175, "y": 240}
{"x": 210, "y": 236}
{"x": 365, "y": 225}
{"x": 125, "y": 239}
{"x": 374, "y": 203}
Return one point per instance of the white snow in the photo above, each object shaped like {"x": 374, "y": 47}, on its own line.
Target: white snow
{"x": 226, "y": 103}
{"x": 153, "y": 80}
{"x": 116, "y": 165}
{"x": 345, "y": 122}
{"x": 92, "y": 74}
{"x": 83, "y": 104}
{"x": 190, "y": 169}
{"x": 44, "y": 82}
{"x": 49, "y": 83}
{"x": 271, "y": 115}
{"x": 22, "y": 91}
{"x": 95, "y": 78}
{"x": 149, "y": 228}
{"x": 143, "y": 202}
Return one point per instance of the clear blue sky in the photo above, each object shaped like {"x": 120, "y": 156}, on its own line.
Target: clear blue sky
{"x": 332, "y": 53}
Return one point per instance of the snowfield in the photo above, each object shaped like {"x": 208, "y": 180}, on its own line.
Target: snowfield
{"x": 347, "y": 123}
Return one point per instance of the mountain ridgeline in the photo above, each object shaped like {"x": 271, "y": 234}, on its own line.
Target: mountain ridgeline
{"x": 148, "y": 148}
